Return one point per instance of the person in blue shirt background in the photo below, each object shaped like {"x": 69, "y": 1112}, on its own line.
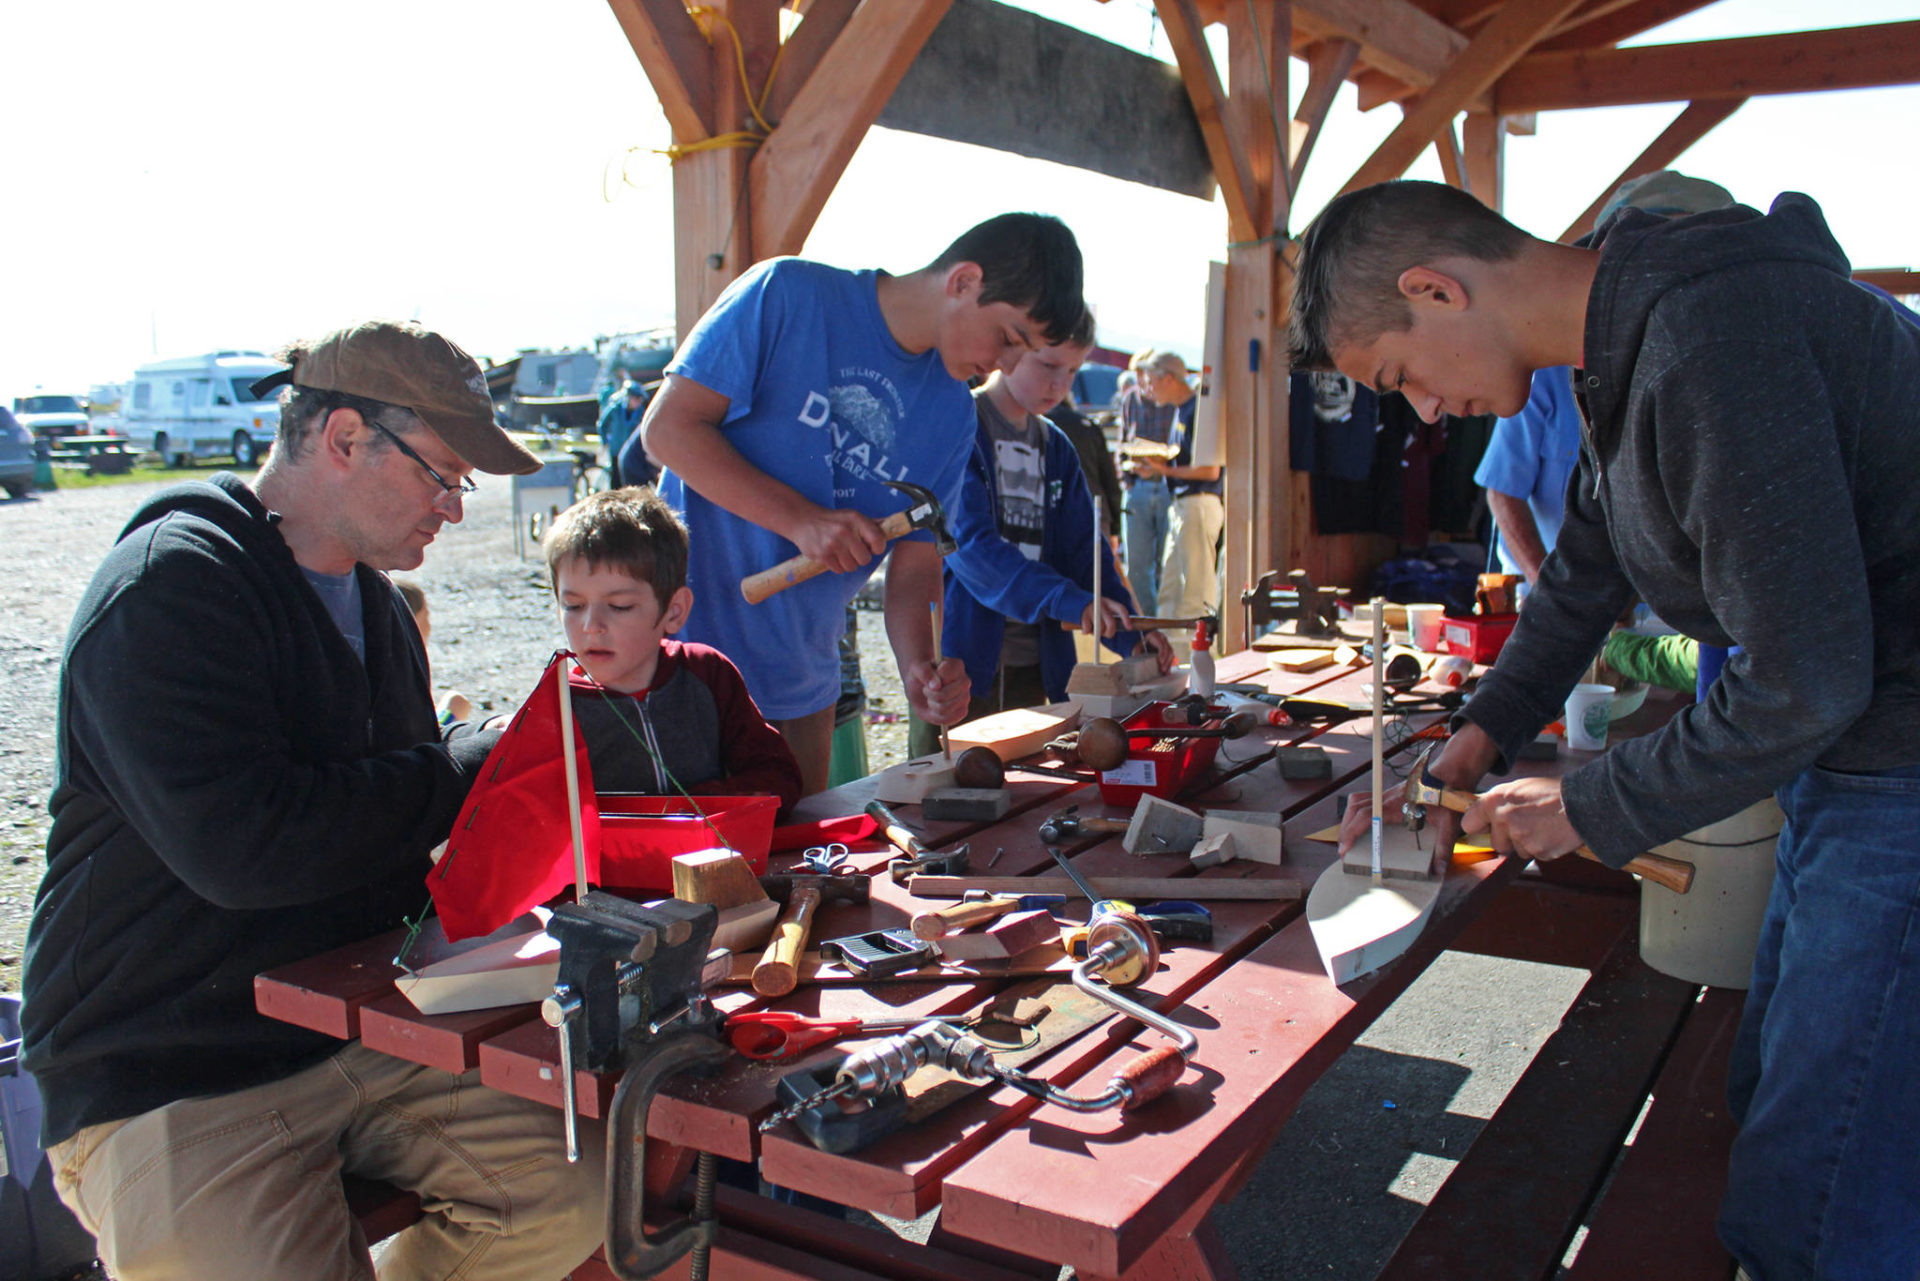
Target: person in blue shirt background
{"x": 795, "y": 398}
{"x": 1525, "y": 471}
{"x": 1026, "y": 533}
{"x": 617, "y": 422}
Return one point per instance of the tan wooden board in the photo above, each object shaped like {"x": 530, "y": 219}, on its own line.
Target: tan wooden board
{"x": 1016, "y": 733}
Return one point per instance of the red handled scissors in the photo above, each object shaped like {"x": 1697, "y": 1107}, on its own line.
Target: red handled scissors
{"x": 780, "y": 1034}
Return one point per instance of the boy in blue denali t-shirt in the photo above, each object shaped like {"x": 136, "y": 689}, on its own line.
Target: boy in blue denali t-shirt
{"x": 797, "y": 396}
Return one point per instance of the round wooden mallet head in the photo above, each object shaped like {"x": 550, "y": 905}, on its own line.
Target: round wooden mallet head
{"x": 979, "y": 767}
{"x": 1103, "y": 743}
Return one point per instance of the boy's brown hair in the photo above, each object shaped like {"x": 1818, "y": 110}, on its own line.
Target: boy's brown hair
{"x": 633, "y": 530}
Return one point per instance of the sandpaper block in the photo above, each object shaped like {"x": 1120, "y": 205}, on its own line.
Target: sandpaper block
{"x": 966, "y": 804}
{"x": 1011, "y": 935}
{"x": 1256, "y": 835}
{"x": 1303, "y": 762}
{"x": 1215, "y": 850}
{"x": 720, "y": 877}
{"x": 1160, "y": 827}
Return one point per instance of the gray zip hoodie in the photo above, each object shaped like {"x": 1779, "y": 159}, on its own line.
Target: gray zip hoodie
{"x": 1751, "y": 467}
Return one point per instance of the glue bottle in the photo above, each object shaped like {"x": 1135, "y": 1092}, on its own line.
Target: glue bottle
{"x": 1200, "y": 662}
{"x": 1451, "y": 671}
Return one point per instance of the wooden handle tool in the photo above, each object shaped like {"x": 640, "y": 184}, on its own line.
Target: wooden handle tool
{"x": 798, "y": 569}
{"x": 932, "y": 926}
{"x": 1674, "y": 873}
{"x": 778, "y": 972}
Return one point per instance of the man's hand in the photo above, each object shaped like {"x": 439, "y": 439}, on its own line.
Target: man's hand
{"x": 938, "y": 696}
{"x": 842, "y": 540}
{"x": 1109, "y": 616}
{"x": 1526, "y": 817}
{"x": 1162, "y": 651}
{"x": 1150, "y": 468}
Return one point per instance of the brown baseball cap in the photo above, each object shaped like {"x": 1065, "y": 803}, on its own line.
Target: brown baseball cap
{"x": 403, "y": 364}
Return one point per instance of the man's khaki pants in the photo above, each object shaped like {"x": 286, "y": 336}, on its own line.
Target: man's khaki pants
{"x": 1190, "y": 574}
{"x": 247, "y": 1185}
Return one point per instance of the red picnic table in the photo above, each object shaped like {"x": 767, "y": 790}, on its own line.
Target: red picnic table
{"x": 1024, "y": 1187}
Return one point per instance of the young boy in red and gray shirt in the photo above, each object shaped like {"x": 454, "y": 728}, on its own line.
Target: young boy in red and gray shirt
{"x": 658, "y": 716}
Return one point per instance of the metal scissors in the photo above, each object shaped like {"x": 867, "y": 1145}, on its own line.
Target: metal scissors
{"x": 780, "y": 1034}
{"x": 827, "y": 860}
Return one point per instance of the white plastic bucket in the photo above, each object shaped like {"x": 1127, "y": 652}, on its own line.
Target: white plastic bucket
{"x": 1709, "y": 934}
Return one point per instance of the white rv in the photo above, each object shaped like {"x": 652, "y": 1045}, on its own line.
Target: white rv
{"x": 201, "y": 406}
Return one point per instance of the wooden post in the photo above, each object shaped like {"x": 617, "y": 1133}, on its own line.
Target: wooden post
{"x": 1486, "y": 158}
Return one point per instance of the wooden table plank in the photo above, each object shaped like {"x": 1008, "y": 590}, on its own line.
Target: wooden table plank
{"x": 451, "y": 1042}
{"x": 1068, "y": 1186}
{"x": 1658, "y": 1216}
{"x": 1511, "y": 1206}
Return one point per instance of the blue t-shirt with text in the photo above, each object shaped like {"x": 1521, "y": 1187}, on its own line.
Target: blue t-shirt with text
{"x": 822, "y": 398}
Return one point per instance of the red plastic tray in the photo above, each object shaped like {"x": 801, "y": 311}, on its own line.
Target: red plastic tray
{"x": 639, "y": 835}
{"x": 1160, "y": 767}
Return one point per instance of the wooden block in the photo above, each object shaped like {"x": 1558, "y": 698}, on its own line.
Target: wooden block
{"x": 1009, "y": 936}
{"x": 745, "y": 927}
{"x": 1215, "y": 850}
{"x": 1303, "y": 762}
{"x": 1256, "y": 835}
{"x": 1113, "y": 678}
{"x": 1161, "y": 827}
{"x": 1113, "y": 706}
{"x": 1359, "y": 926}
{"x": 966, "y": 804}
{"x": 1300, "y": 660}
{"x": 509, "y": 971}
{"x": 909, "y": 782}
{"x": 1400, "y": 856}
{"x": 720, "y": 877}
{"x": 1016, "y": 733}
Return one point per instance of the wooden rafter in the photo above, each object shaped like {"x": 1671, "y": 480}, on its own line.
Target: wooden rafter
{"x": 1484, "y": 145}
{"x": 801, "y": 52}
{"x": 1396, "y": 37}
{"x": 1689, "y": 127}
{"x": 1259, "y": 44}
{"x": 1609, "y": 25}
{"x": 1798, "y": 62}
{"x": 674, "y": 54}
{"x": 1447, "y": 146}
{"x": 798, "y": 165}
{"x": 1328, "y": 64}
{"x": 1902, "y": 282}
{"x": 1181, "y": 21}
{"x": 1500, "y": 44}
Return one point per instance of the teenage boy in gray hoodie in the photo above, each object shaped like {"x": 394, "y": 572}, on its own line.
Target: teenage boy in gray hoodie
{"x": 1750, "y": 465}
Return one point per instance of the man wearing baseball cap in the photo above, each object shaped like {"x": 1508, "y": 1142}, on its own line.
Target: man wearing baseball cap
{"x": 250, "y": 773}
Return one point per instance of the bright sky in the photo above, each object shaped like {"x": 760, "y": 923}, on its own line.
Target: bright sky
{"x": 232, "y": 173}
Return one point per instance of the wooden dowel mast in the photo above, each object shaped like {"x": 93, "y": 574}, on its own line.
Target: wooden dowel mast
{"x": 573, "y": 779}
{"x": 1379, "y": 706}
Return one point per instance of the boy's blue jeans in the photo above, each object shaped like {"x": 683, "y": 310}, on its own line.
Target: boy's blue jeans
{"x": 1825, "y": 1073}
{"x": 1148, "y": 511}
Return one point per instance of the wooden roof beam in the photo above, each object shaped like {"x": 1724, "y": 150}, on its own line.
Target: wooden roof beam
{"x": 1611, "y": 23}
{"x": 1328, "y": 64}
{"x": 1446, "y": 145}
{"x": 1901, "y": 282}
{"x": 1691, "y": 126}
{"x": 1395, "y": 36}
{"x": 1500, "y": 44}
{"x": 675, "y": 56}
{"x": 801, "y": 52}
{"x": 1798, "y": 62}
{"x": 796, "y": 168}
{"x": 1185, "y": 34}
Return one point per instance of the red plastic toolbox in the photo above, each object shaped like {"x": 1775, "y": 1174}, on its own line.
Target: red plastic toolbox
{"x": 1480, "y": 638}
{"x": 1162, "y": 767}
{"x": 639, "y": 835}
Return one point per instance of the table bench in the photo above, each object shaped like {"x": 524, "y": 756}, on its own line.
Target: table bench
{"x": 96, "y": 455}
{"x": 1023, "y": 1188}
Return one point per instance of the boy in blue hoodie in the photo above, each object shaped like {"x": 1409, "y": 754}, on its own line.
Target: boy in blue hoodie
{"x": 1025, "y": 528}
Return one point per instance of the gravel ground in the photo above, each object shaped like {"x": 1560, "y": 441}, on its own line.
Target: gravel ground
{"x": 494, "y": 626}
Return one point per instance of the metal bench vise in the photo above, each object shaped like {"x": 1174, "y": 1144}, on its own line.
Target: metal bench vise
{"x": 631, "y": 998}
{"x": 1303, "y": 610}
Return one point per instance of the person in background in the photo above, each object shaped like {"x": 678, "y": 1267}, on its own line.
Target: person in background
{"x": 784, "y": 413}
{"x": 658, "y": 716}
{"x": 618, "y": 421}
{"x": 1096, "y": 463}
{"x": 250, "y": 774}
{"x": 1146, "y": 502}
{"x": 453, "y": 705}
{"x": 1027, "y": 534}
{"x": 1532, "y": 453}
{"x": 1190, "y": 567}
{"x": 1750, "y": 473}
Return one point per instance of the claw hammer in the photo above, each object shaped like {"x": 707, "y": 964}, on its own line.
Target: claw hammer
{"x": 924, "y": 512}
{"x": 1423, "y": 789}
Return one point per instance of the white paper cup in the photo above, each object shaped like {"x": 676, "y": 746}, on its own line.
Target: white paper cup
{"x": 1589, "y": 709}
{"x": 1423, "y": 621}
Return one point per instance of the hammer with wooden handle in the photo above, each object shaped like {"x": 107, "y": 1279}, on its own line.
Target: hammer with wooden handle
{"x": 924, "y": 513}
{"x": 778, "y": 971}
{"x": 1423, "y": 790}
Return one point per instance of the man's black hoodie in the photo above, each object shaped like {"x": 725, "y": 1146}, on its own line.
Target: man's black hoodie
{"x": 234, "y": 791}
{"x": 1751, "y": 468}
